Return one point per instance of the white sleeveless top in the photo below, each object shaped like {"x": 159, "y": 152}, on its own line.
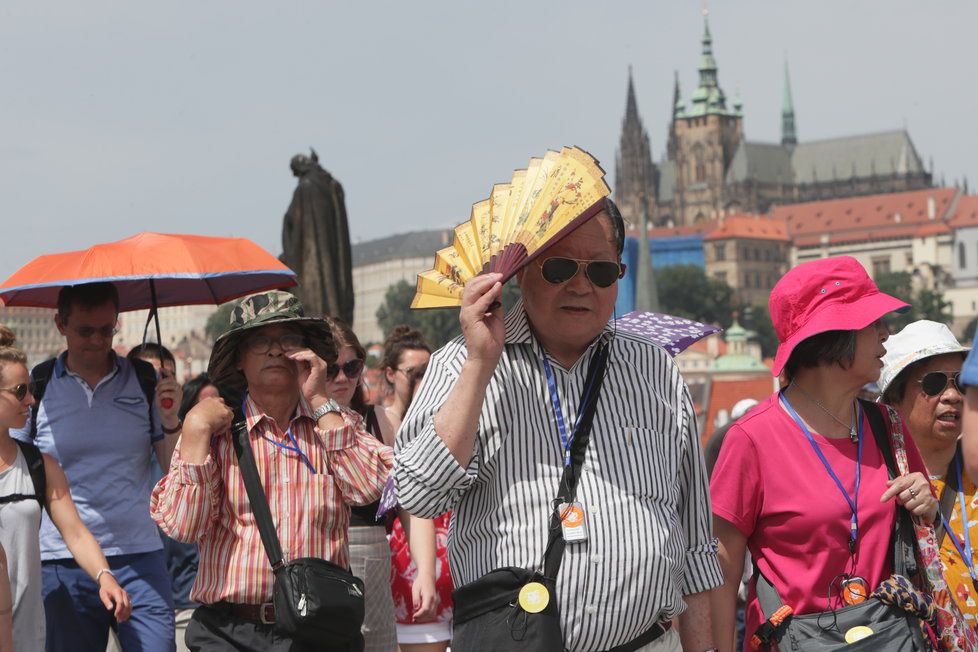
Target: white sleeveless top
{"x": 19, "y": 524}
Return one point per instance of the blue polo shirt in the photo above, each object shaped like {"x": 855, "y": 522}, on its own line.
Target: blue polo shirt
{"x": 102, "y": 438}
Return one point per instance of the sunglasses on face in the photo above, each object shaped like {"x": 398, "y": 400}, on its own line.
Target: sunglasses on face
{"x": 86, "y": 332}
{"x": 935, "y": 382}
{"x": 260, "y": 344}
{"x": 19, "y": 391}
{"x": 602, "y": 273}
{"x": 350, "y": 369}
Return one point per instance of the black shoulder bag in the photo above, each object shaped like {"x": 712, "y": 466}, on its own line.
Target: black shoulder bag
{"x": 488, "y": 615}
{"x": 316, "y": 601}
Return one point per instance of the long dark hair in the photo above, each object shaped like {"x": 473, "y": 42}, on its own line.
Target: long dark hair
{"x": 193, "y": 387}
{"x": 343, "y": 335}
{"x": 402, "y": 338}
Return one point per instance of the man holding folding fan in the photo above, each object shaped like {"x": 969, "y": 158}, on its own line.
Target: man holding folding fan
{"x": 570, "y": 456}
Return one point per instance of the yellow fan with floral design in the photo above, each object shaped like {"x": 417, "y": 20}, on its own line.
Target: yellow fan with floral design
{"x": 550, "y": 198}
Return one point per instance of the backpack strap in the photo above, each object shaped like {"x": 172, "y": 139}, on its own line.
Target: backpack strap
{"x": 146, "y": 375}
{"x": 35, "y": 467}
{"x": 40, "y": 375}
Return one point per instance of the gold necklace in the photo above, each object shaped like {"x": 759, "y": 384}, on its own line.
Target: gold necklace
{"x": 849, "y": 426}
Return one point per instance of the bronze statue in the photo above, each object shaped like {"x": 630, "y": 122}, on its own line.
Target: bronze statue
{"x": 316, "y": 241}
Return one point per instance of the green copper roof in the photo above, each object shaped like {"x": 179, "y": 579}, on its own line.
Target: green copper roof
{"x": 738, "y": 362}
{"x": 708, "y": 99}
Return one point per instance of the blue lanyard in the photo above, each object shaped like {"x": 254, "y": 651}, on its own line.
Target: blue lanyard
{"x": 965, "y": 552}
{"x": 294, "y": 448}
{"x": 853, "y": 501}
{"x": 565, "y": 440}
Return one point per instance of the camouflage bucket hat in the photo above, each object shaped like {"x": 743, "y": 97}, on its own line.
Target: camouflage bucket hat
{"x": 265, "y": 309}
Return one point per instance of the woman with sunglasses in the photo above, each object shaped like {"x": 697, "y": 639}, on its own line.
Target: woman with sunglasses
{"x": 800, "y": 481}
{"x": 370, "y": 555}
{"x": 20, "y": 512}
{"x": 921, "y": 378}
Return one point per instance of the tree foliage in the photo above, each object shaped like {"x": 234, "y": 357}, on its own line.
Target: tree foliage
{"x": 686, "y": 291}
{"x": 220, "y": 321}
{"x": 438, "y": 325}
{"x": 924, "y": 303}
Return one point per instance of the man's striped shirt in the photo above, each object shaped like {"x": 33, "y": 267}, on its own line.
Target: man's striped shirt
{"x": 643, "y": 486}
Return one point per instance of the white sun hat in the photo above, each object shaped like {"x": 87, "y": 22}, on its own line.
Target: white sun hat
{"x": 917, "y": 341}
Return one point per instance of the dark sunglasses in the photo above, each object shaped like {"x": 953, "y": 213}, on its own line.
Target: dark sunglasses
{"x": 19, "y": 391}
{"x": 350, "y": 369}
{"x": 935, "y": 382}
{"x": 602, "y": 273}
{"x": 86, "y": 332}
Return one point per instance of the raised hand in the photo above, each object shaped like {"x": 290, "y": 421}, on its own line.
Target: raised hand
{"x": 483, "y": 330}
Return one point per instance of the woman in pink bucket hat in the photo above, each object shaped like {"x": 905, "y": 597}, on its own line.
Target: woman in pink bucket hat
{"x": 800, "y": 480}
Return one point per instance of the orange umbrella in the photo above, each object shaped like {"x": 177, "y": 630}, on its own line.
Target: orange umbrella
{"x": 153, "y": 270}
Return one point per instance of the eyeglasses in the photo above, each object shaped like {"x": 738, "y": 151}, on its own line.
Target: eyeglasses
{"x": 935, "y": 382}
{"x": 602, "y": 273}
{"x": 260, "y": 344}
{"x": 19, "y": 391}
{"x": 350, "y": 369}
{"x": 86, "y": 332}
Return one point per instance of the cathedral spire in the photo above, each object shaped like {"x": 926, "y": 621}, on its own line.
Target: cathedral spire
{"x": 678, "y": 107}
{"x": 709, "y": 97}
{"x": 636, "y": 176}
{"x": 631, "y": 105}
{"x": 788, "y": 135}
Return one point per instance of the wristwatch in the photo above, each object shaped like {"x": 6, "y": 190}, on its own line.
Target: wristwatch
{"x": 329, "y": 406}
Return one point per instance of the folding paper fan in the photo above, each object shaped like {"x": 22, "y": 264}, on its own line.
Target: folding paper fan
{"x": 541, "y": 204}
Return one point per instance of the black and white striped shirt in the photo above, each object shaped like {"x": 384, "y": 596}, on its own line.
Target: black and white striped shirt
{"x": 643, "y": 486}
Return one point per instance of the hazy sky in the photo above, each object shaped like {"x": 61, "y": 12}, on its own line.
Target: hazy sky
{"x": 120, "y": 117}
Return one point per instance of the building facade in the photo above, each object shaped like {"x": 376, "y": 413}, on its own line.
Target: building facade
{"x": 379, "y": 264}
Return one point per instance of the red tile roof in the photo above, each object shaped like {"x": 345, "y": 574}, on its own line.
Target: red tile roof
{"x": 873, "y": 217}
{"x": 724, "y": 394}
{"x": 750, "y": 227}
{"x": 966, "y": 213}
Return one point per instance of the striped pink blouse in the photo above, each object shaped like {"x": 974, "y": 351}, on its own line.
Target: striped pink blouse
{"x": 207, "y": 503}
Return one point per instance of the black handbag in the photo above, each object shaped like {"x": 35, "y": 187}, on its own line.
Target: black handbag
{"x": 316, "y": 601}
{"x": 487, "y": 613}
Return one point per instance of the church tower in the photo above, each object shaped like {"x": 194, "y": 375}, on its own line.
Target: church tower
{"x": 789, "y": 137}
{"x": 636, "y": 177}
{"x": 703, "y": 139}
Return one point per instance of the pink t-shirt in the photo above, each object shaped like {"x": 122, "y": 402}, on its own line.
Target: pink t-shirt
{"x": 770, "y": 484}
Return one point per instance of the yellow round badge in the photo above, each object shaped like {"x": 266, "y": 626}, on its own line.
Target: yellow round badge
{"x": 534, "y": 597}
{"x": 858, "y": 633}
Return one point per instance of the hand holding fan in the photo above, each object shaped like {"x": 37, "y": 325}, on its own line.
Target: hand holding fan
{"x": 541, "y": 204}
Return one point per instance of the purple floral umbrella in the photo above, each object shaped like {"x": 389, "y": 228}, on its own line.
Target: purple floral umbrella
{"x": 674, "y": 334}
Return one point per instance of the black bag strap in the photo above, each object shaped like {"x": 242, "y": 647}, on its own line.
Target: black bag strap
{"x": 256, "y": 493}
{"x": 948, "y": 494}
{"x": 40, "y": 375}
{"x": 567, "y": 489}
{"x": 146, "y": 375}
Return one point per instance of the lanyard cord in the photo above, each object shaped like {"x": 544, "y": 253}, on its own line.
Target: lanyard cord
{"x": 965, "y": 549}
{"x": 294, "y": 448}
{"x": 853, "y": 502}
{"x": 565, "y": 440}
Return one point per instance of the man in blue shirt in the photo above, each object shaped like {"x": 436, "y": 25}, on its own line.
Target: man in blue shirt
{"x": 95, "y": 419}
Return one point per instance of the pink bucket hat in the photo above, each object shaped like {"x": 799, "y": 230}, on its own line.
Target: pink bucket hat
{"x": 824, "y": 295}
